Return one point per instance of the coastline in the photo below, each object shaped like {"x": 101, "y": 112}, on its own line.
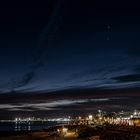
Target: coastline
{"x": 77, "y": 132}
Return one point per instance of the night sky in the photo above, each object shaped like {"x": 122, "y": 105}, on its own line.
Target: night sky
{"x": 58, "y": 56}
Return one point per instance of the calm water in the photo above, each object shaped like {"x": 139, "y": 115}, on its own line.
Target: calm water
{"x": 25, "y": 126}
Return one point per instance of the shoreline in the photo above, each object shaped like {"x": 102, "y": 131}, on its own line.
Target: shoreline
{"x": 82, "y": 131}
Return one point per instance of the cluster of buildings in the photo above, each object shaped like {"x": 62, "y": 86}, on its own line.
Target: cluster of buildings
{"x": 120, "y": 118}
{"x": 100, "y": 118}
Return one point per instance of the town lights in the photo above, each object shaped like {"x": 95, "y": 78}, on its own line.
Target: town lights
{"x": 100, "y": 118}
{"x": 79, "y": 117}
{"x": 135, "y": 113}
{"x": 90, "y": 117}
{"x": 16, "y": 119}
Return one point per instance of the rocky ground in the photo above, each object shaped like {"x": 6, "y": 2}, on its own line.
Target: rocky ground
{"x": 41, "y": 136}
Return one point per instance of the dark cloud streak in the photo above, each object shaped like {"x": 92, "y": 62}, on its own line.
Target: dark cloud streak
{"x": 41, "y": 47}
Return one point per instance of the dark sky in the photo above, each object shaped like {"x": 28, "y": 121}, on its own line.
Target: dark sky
{"x": 61, "y": 53}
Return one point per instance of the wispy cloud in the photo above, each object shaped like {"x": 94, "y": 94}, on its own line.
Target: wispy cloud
{"x": 48, "y": 105}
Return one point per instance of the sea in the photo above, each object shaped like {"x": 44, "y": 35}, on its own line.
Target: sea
{"x": 26, "y": 126}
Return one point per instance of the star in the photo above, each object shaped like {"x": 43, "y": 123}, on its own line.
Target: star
{"x": 108, "y": 27}
{"x": 108, "y": 32}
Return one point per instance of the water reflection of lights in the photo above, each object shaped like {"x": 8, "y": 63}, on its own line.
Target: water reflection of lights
{"x": 22, "y": 126}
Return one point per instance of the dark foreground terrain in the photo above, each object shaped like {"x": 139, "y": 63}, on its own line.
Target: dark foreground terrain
{"x": 82, "y": 132}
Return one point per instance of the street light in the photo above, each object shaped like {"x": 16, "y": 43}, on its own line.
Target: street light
{"x": 64, "y": 131}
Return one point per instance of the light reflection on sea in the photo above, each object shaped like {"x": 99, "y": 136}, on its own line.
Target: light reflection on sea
{"x": 25, "y": 126}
